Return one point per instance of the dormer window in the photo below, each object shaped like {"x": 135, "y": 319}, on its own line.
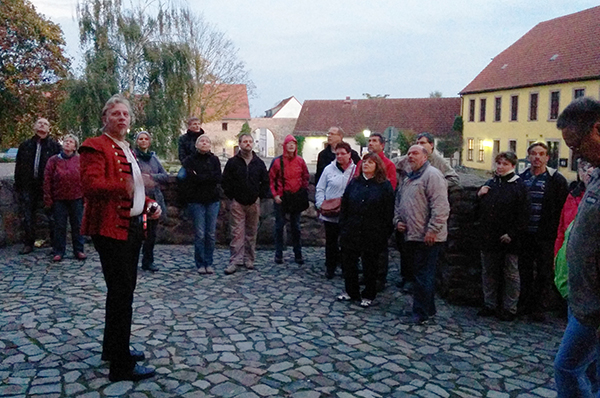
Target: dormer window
{"x": 553, "y": 58}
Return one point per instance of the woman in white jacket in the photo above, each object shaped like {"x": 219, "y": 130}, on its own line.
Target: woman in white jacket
{"x": 331, "y": 185}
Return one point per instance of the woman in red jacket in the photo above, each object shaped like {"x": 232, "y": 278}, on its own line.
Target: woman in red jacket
{"x": 63, "y": 194}
{"x": 288, "y": 174}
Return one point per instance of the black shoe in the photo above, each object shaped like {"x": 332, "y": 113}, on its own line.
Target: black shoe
{"x": 485, "y": 312}
{"x": 26, "y": 249}
{"x": 278, "y": 260}
{"x": 138, "y": 373}
{"x": 136, "y": 355}
{"x": 329, "y": 275}
{"x": 408, "y": 288}
{"x": 538, "y": 317}
{"x": 299, "y": 260}
{"x": 151, "y": 268}
{"x": 380, "y": 286}
{"x": 400, "y": 284}
{"x": 417, "y": 320}
{"x": 506, "y": 316}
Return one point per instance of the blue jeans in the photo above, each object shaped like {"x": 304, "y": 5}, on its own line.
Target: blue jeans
{"x": 205, "y": 224}
{"x": 424, "y": 265}
{"x": 295, "y": 227}
{"x": 63, "y": 209}
{"x": 578, "y": 349}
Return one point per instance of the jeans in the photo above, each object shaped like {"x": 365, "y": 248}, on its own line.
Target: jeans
{"x": 63, "y": 209}
{"x": 205, "y": 224}
{"x": 244, "y": 226}
{"x": 280, "y": 221}
{"x": 500, "y": 272}
{"x": 350, "y": 266}
{"x": 578, "y": 349}
{"x": 332, "y": 246}
{"x": 119, "y": 260}
{"x": 149, "y": 242}
{"x": 29, "y": 203}
{"x": 424, "y": 265}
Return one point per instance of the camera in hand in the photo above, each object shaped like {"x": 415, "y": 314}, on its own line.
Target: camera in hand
{"x": 152, "y": 208}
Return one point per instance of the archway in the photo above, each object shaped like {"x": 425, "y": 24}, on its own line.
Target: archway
{"x": 264, "y": 142}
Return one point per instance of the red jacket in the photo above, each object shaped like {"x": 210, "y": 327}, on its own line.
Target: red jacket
{"x": 295, "y": 175}
{"x": 107, "y": 182}
{"x": 62, "y": 179}
{"x": 568, "y": 214}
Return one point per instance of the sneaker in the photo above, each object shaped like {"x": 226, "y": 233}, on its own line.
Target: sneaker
{"x": 210, "y": 270}
{"x": 57, "y": 258}
{"x": 81, "y": 256}
{"x": 417, "y": 320}
{"x": 329, "y": 275}
{"x": 485, "y": 312}
{"x": 201, "y": 270}
{"x": 278, "y": 260}
{"x": 151, "y": 268}
{"x": 344, "y": 297}
{"x": 366, "y": 303}
{"x": 249, "y": 266}
{"x": 230, "y": 269}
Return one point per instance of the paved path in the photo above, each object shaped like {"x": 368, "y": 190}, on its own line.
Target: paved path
{"x": 276, "y": 331}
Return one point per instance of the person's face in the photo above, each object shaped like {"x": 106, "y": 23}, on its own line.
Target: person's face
{"x": 195, "y": 126}
{"x": 503, "y": 166}
{"x": 334, "y": 137}
{"x": 203, "y": 144}
{"x": 375, "y": 145}
{"x": 538, "y": 157}
{"x": 342, "y": 156}
{"x": 369, "y": 166}
{"x": 587, "y": 145}
{"x": 416, "y": 157}
{"x": 117, "y": 120}
{"x": 247, "y": 143}
{"x": 42, "y": 127}
{"x": 69, "y": 145}
{"x": 425, "y": 144}
{"x": 143, "y": 142}
{"x": 290, "y": 147}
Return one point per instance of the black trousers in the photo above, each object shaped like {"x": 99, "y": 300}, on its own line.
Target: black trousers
{"x": 119, "y": 260}
{"x": 406, "y": 259}
{"x": 332, "y": 246}
{"x": 369, "y": 260}
{"x": 30, "y": 201}
{"x": 149, "y": 242}
{"x": 536, "y": 271}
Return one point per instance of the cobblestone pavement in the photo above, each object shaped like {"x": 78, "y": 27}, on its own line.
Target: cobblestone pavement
{"x": 275, "y": 331}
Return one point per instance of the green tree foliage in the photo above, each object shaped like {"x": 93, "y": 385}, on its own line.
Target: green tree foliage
{"x": 453, "y": 141}
{"x": 361, "y": 139}
{"x": 245, "y": 129}
{"x": 376, "y": 96}
{"x": 168, "y": 61}
{"x": 32, "y": 63}
{"x": 435, "y": 94}
{"x": 405, "y": 139}
{"x": 300, "y": 140}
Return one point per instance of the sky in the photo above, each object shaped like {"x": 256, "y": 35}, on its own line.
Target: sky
{"x": 330, "y": 49}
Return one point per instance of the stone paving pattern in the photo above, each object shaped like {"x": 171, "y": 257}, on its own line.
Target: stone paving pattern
{"x": 276, "y": 331}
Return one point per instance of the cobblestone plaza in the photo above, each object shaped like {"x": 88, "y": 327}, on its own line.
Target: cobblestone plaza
{"x": 276, "y": 331}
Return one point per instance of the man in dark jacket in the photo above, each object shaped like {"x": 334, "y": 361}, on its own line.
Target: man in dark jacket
{"x": 31, "y": 161}
{"x": 548, "y": 191}
{"x": 245, "y": 181}
{"x": 187, "y": 142}
{"x": 335, "y": 135}
{"x": 580, "y": 125}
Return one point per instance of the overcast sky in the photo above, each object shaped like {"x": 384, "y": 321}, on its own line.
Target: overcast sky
{"x": 330, "y": 49}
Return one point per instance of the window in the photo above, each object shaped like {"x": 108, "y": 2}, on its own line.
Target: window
{"x": 470, "y": 145}
{"x": 553, "y": 153}
{"x": 554, "y": 104}
{"x": 514, "y": 107}
{"x": 482, "y": 102}
{"x": 472, "y": 110}
{"x": 481, "y": 157}
{"x": 533, "y": 106}
{"x": 496, "y": 149}
{"x": 224, "y": 126}
{"x": 497, "y": 108}
{"x": 578, "y": 93}
{"x": 512, "y": 146}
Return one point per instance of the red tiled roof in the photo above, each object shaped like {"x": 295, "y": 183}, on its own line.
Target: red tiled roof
{"x": 224, "y": 93}
{"x": 433, "y": 115}
{"x": 559, "y": 50}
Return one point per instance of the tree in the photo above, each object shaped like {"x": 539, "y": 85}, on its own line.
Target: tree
{"x": 300, "y": 139}
{"x": 168, "y": 61}
{"x": 405, "y": 139}
{"x": 245, "y": 129}
{"x": 452, "y": 142}
{"x": 376, "y": 96}
{"x": 435, "y": 94}
{"x": 32, "y": 63}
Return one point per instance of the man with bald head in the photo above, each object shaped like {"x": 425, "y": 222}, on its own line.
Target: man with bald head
{"x": 421, "y": 214}
{"x": 31, "y": 161}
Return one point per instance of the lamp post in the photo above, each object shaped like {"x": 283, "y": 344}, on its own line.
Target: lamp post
{"x": 366, "y": 133}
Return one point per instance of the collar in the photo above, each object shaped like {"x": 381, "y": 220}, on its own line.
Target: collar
{"x": 413, "y": 175}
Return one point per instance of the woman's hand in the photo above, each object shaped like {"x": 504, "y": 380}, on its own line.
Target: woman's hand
{"x": 483, "y": 190}
{"x": 401, "y": 227}
{"x": 277, "y": 199}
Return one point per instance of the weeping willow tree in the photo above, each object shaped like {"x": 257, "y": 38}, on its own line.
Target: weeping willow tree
{"x": 170, "y": 63}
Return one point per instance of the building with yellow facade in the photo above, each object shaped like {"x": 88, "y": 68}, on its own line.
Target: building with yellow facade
{"x": 517, "y": 98}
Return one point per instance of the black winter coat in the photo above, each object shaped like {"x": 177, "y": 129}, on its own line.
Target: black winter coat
{"x": 245, "y": 183}
{"x": 326, "y": 156}
{"x": 366, "y": 215}
{"x": 203, "y": 176}
{"x": 24, "y": 172}
{"x": 187, "y": 144}
{"x": 503, "y": 210}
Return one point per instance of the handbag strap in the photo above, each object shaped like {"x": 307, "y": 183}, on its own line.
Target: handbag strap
{"x": 282, "y": 173}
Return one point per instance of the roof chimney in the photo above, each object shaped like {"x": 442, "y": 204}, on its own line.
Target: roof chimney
{"x": 347, "y": 100}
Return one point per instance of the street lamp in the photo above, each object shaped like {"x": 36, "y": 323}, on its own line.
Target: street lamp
{"x": 366, "y": 133}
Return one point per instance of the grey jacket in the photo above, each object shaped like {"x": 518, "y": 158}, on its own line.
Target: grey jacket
{"x": 436, "y": 160}
{"x": 422, "y": 204}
